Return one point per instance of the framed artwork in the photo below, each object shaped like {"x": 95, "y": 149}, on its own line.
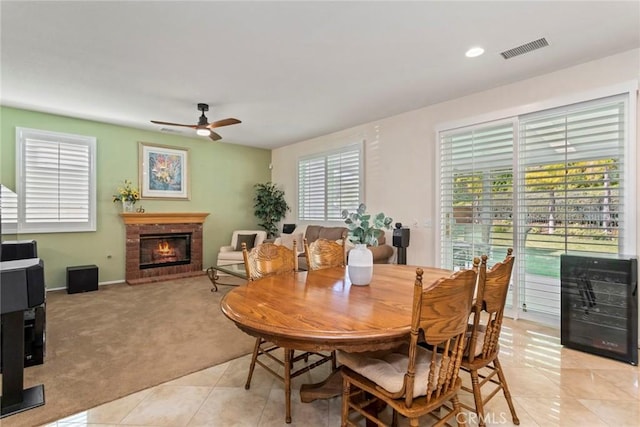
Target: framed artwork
{"x": 164, "y": 172}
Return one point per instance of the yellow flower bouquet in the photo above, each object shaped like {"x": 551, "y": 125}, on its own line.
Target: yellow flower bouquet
{"x": 127, "y": 193}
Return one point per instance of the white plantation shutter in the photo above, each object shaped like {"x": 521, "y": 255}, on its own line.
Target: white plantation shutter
{"x": 311, "y": 189}
{"x": 343, "y": 183}
{"x": 329, "y": 183}
{"x": 8, "y": 210}
{"x": 571, "y": 185}
{"x": 56, "y": 181}
{"x": 476, "y": 193}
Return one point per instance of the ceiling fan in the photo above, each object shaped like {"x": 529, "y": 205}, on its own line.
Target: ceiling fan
{"x": 203, "y": 127}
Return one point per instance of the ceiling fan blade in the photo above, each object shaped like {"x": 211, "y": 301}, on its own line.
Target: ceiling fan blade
{"x": 214, "y": 136}
{"x": 224, "y": 122}
{"x": 174, "y": 124}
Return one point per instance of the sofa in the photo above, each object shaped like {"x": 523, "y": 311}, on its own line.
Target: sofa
{"x": 232, "y": 254}
{"x": 381, "y": 253}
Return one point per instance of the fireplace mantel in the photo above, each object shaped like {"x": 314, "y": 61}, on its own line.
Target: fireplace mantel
{"x": 164, "y": 217}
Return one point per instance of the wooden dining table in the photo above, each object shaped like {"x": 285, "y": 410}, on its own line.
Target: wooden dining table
{"x": 321, "y": 310}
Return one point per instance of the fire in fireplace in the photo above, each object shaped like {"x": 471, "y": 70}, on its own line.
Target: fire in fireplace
{"x": 162, "y": 250}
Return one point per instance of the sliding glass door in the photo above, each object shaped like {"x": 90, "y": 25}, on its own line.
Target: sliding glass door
{"x": 544, "y": 184}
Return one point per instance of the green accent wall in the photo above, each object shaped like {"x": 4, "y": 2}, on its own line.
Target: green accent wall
{"x": 221, "y": 179}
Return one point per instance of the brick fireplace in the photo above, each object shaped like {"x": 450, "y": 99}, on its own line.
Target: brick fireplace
{"x": 163, "y": 246}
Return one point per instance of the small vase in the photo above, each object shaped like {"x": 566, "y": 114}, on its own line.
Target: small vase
{"x": 360, "y": 265}
{"x": 128, "y": 206}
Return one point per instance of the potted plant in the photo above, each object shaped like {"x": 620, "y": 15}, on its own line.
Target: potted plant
{"x": 270, "y": 207}
{"x": 363, "y": 230}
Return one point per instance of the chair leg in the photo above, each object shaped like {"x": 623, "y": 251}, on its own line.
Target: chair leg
{"x": 334, "y": 365}
{"x": 505, "y": 390}
{"x": 287, "y": 384}
{"x": 346, "y": 391}
{"x": 252, "y": 366}
{"x": 477, "y": 396}
{"x": 457, "y": 411}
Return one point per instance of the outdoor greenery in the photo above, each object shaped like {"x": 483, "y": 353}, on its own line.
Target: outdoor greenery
{"x": 582, "y": 197}
{"x": 567, "y": 207}
{"x": 270, "y": 207}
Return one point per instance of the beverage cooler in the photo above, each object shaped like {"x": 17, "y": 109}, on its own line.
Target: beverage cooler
{"x": 599, "y": 305}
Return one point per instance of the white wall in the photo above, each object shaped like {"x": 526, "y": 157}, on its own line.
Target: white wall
{"x": 400, "y": 163}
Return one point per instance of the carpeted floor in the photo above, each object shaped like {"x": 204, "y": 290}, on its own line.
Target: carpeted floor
{"x": 120, "y": 339}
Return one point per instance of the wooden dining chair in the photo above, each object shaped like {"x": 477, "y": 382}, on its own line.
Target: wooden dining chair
{"x": 484, "y": 332}
{"x": 323, "y": 253}
{"x": 412, "y": 380}
{"x": 265, "y": 260}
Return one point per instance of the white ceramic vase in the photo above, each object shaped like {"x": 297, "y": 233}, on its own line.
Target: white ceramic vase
{"x": 360, "y": 265}
{"x": 128, "y": 206}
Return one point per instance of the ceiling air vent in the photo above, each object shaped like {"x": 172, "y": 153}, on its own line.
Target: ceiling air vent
{"x": 167, "y": 130}
{"x": 525, "y": 48}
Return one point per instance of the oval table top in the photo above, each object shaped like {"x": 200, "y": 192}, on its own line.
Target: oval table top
{"x": 322, "y": 310}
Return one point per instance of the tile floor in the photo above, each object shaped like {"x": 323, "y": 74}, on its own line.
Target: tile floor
{"x": 550, "y": 385}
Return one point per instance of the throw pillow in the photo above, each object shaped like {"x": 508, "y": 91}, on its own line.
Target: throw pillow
{"x": 287, "y": 241}
{"x": 249, "y": 239}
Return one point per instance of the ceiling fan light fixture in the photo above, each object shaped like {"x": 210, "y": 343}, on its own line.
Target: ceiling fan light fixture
{"x": 203, "y": 127}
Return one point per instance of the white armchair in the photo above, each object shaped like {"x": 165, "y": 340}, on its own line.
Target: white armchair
{"x": 232, "y": 254}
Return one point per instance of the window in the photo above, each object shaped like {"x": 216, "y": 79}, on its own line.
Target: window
{"x": 55, "y": 182}
{"x": 546, "y": 183}
{"x": 329, "y": 183}
{"x": 8, "y": 210}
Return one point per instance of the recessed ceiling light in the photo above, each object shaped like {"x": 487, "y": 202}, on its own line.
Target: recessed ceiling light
{"x": 474, "y": 51}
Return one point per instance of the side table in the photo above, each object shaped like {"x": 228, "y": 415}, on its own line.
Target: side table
{"x": 235, "y": 270}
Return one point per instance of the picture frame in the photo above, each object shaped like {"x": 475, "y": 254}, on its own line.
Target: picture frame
{"x": 164, "y": 172}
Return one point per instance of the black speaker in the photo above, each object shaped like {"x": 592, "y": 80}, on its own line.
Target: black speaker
{"x": 35, "y": 288}
{"x": 20, "y": 249}
{"x": 21, "y": 284}
{"x": 82, "y": 278}
{"x": 401, "y": 237}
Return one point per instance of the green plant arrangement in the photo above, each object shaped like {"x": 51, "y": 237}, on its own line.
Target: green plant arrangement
{"x": 270, "y": 207}
{"x": 127, "y": 193}
{"x": 363, "y": 228}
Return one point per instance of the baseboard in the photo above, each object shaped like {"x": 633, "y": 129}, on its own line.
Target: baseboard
{"x": 111, "y": 282}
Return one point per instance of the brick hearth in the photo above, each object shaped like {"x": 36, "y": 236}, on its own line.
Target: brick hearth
{"x": 161, "y": 223}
